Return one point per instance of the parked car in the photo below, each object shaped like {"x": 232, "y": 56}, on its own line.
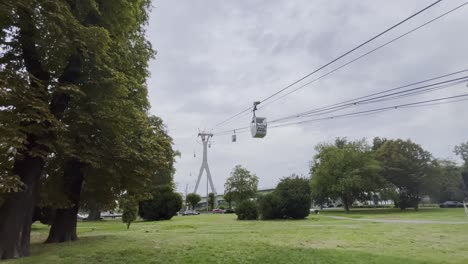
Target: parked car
{"x": 218, "y": 211}
{"x": 229, "y": 211}
{"x": 451, "y": 204}
{"x": 190, "y": 212}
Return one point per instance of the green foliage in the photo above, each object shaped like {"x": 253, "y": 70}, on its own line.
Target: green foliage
{"x": 193, "y": 199}
{"x": 211, "y": 201}
{"x": 268, "y": 206}
{"x": 445, "y": 182}
{"x": 246, "y": 210}
{"x": 407, "y": 166}
{"x": 290, "y": 199}
{"x": 163, "y": 206}
{"x": 129, "y": 210}
{"x": 228, "y": 198}
{"x": 241, "y": 185}
{"x": 345, "y": 170}
{"x": 294, "y": 197}
{"x": 462, "y": 151}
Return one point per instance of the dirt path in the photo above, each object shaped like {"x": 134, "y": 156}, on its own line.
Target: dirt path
{"x": 397, "y": 221}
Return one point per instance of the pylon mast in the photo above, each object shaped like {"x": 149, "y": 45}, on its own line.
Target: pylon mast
{"x": 204, "y": 167}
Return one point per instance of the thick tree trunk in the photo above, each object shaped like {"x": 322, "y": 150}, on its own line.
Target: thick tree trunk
{"x": 94, "y": 214}
{"x": 346, "y": 204}
{"x": 17, "y": 211}
{"x": 64, "y": 226}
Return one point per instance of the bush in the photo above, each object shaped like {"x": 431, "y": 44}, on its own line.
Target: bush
{"x": 247, "y": 210}
{"x": 294, "y": 197}
{"x": 130, "y": 211}
{"x": 290, "y": 199}
{"x": 268, "y": 206}
{"x": 164, "y": 205}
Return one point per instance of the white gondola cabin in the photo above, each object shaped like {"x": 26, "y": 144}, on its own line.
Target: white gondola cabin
{"x": 258, "y": 127}
{"x": 234, "y": 137}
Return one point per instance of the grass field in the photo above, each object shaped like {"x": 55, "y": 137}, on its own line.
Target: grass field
{"x": 222, "y": 239}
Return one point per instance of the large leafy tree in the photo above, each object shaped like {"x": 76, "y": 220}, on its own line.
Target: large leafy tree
{"x": 407, "y": 166}
{"x": 74, "y": 99}
{"x": 241, "y": 185}
{"x": 462, "y": 151}
{"x": 107, "y": 124}
{"x": 41, "y": 45}
{"x": 193, "y": 199}
{"x": 345, "y": 170}
{"x": 445, "y": 181}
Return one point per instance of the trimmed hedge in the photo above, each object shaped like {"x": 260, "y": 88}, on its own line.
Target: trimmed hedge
{"x": 247, "y": 210}
{"x": 290, "y": 199}
{"x": 164, "y": 205}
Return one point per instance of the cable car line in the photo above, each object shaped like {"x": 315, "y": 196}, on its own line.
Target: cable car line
{"x": 375, "y": 111}
{"x": 407, "y": 105}
{"x": 381, "y": 98}
{"x": 336, "y": 59}
{"x": 367, "y": 53}
{"x": 350, "y": 51}
{"x": 377, "y": 95}
{"x": 331, "y": 111}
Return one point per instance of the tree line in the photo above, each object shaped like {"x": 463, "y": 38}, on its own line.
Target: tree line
{"x": 75, "y": 128}
{"x": 397, "y": 170}
{"x": 347, "y": 172}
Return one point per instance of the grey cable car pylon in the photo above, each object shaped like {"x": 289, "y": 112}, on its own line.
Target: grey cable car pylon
{"x": 204, "y": 167}
{"x": 258, "y": 126}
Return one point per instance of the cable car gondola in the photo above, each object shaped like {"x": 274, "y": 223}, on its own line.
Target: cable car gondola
{"x": 234, "y": 137}
{"x": 258, "y": 126}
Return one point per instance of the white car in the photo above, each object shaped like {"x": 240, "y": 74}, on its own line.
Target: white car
{"x": 190, "y": 212}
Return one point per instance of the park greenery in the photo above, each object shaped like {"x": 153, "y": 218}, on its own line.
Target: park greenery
{"x": 164, "y": 204}
{"x": 397, "y": 170}
{"x": 76, "y": 135}
{"x": 192, "y": 199}
{"x": 241, "y": 188}
{"x": 220, "y": 238}
{"x": 290, "y": 199}
{"x": 75, "y": 128}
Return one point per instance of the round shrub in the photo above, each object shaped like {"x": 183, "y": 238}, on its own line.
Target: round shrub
{"x": 247, "y": 210}
{"x": 268, "y": 206}
{"x": 163, "y": 206}
{"x": 294, "y": 197}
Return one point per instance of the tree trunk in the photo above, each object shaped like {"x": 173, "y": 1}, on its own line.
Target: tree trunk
{"x": 94, "y": 214}
{"x": 64, "y": 226}
{"x": 345, "y": 203}
{"x": 17, "y": 210}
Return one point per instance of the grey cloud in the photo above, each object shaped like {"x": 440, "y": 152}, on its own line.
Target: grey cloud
{"x": 216, "y": 57}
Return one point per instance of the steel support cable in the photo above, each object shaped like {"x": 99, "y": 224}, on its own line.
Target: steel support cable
{"x": 334, "y": 60}
{"x": 366, "y": 54}
{"x": 367, "y": 100}
{"x": 407, "y": 105}
{"x": 374, "y": 111}
{"x": 352, "y": 50}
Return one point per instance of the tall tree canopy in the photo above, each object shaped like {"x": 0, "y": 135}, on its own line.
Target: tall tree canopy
{"x": 193, "y": 199}
{"x": 345, "y": 170}
{"x": 407, "y": 166}
{"x": 241, "y": 185}
{"x": 74, "y": 100}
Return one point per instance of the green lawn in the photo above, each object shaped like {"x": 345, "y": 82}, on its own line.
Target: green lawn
{"x": 222, "y": 239}
{"x": 433, "y": 214}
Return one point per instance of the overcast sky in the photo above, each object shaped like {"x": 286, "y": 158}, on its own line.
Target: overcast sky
{"x": 216, "y": 57}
